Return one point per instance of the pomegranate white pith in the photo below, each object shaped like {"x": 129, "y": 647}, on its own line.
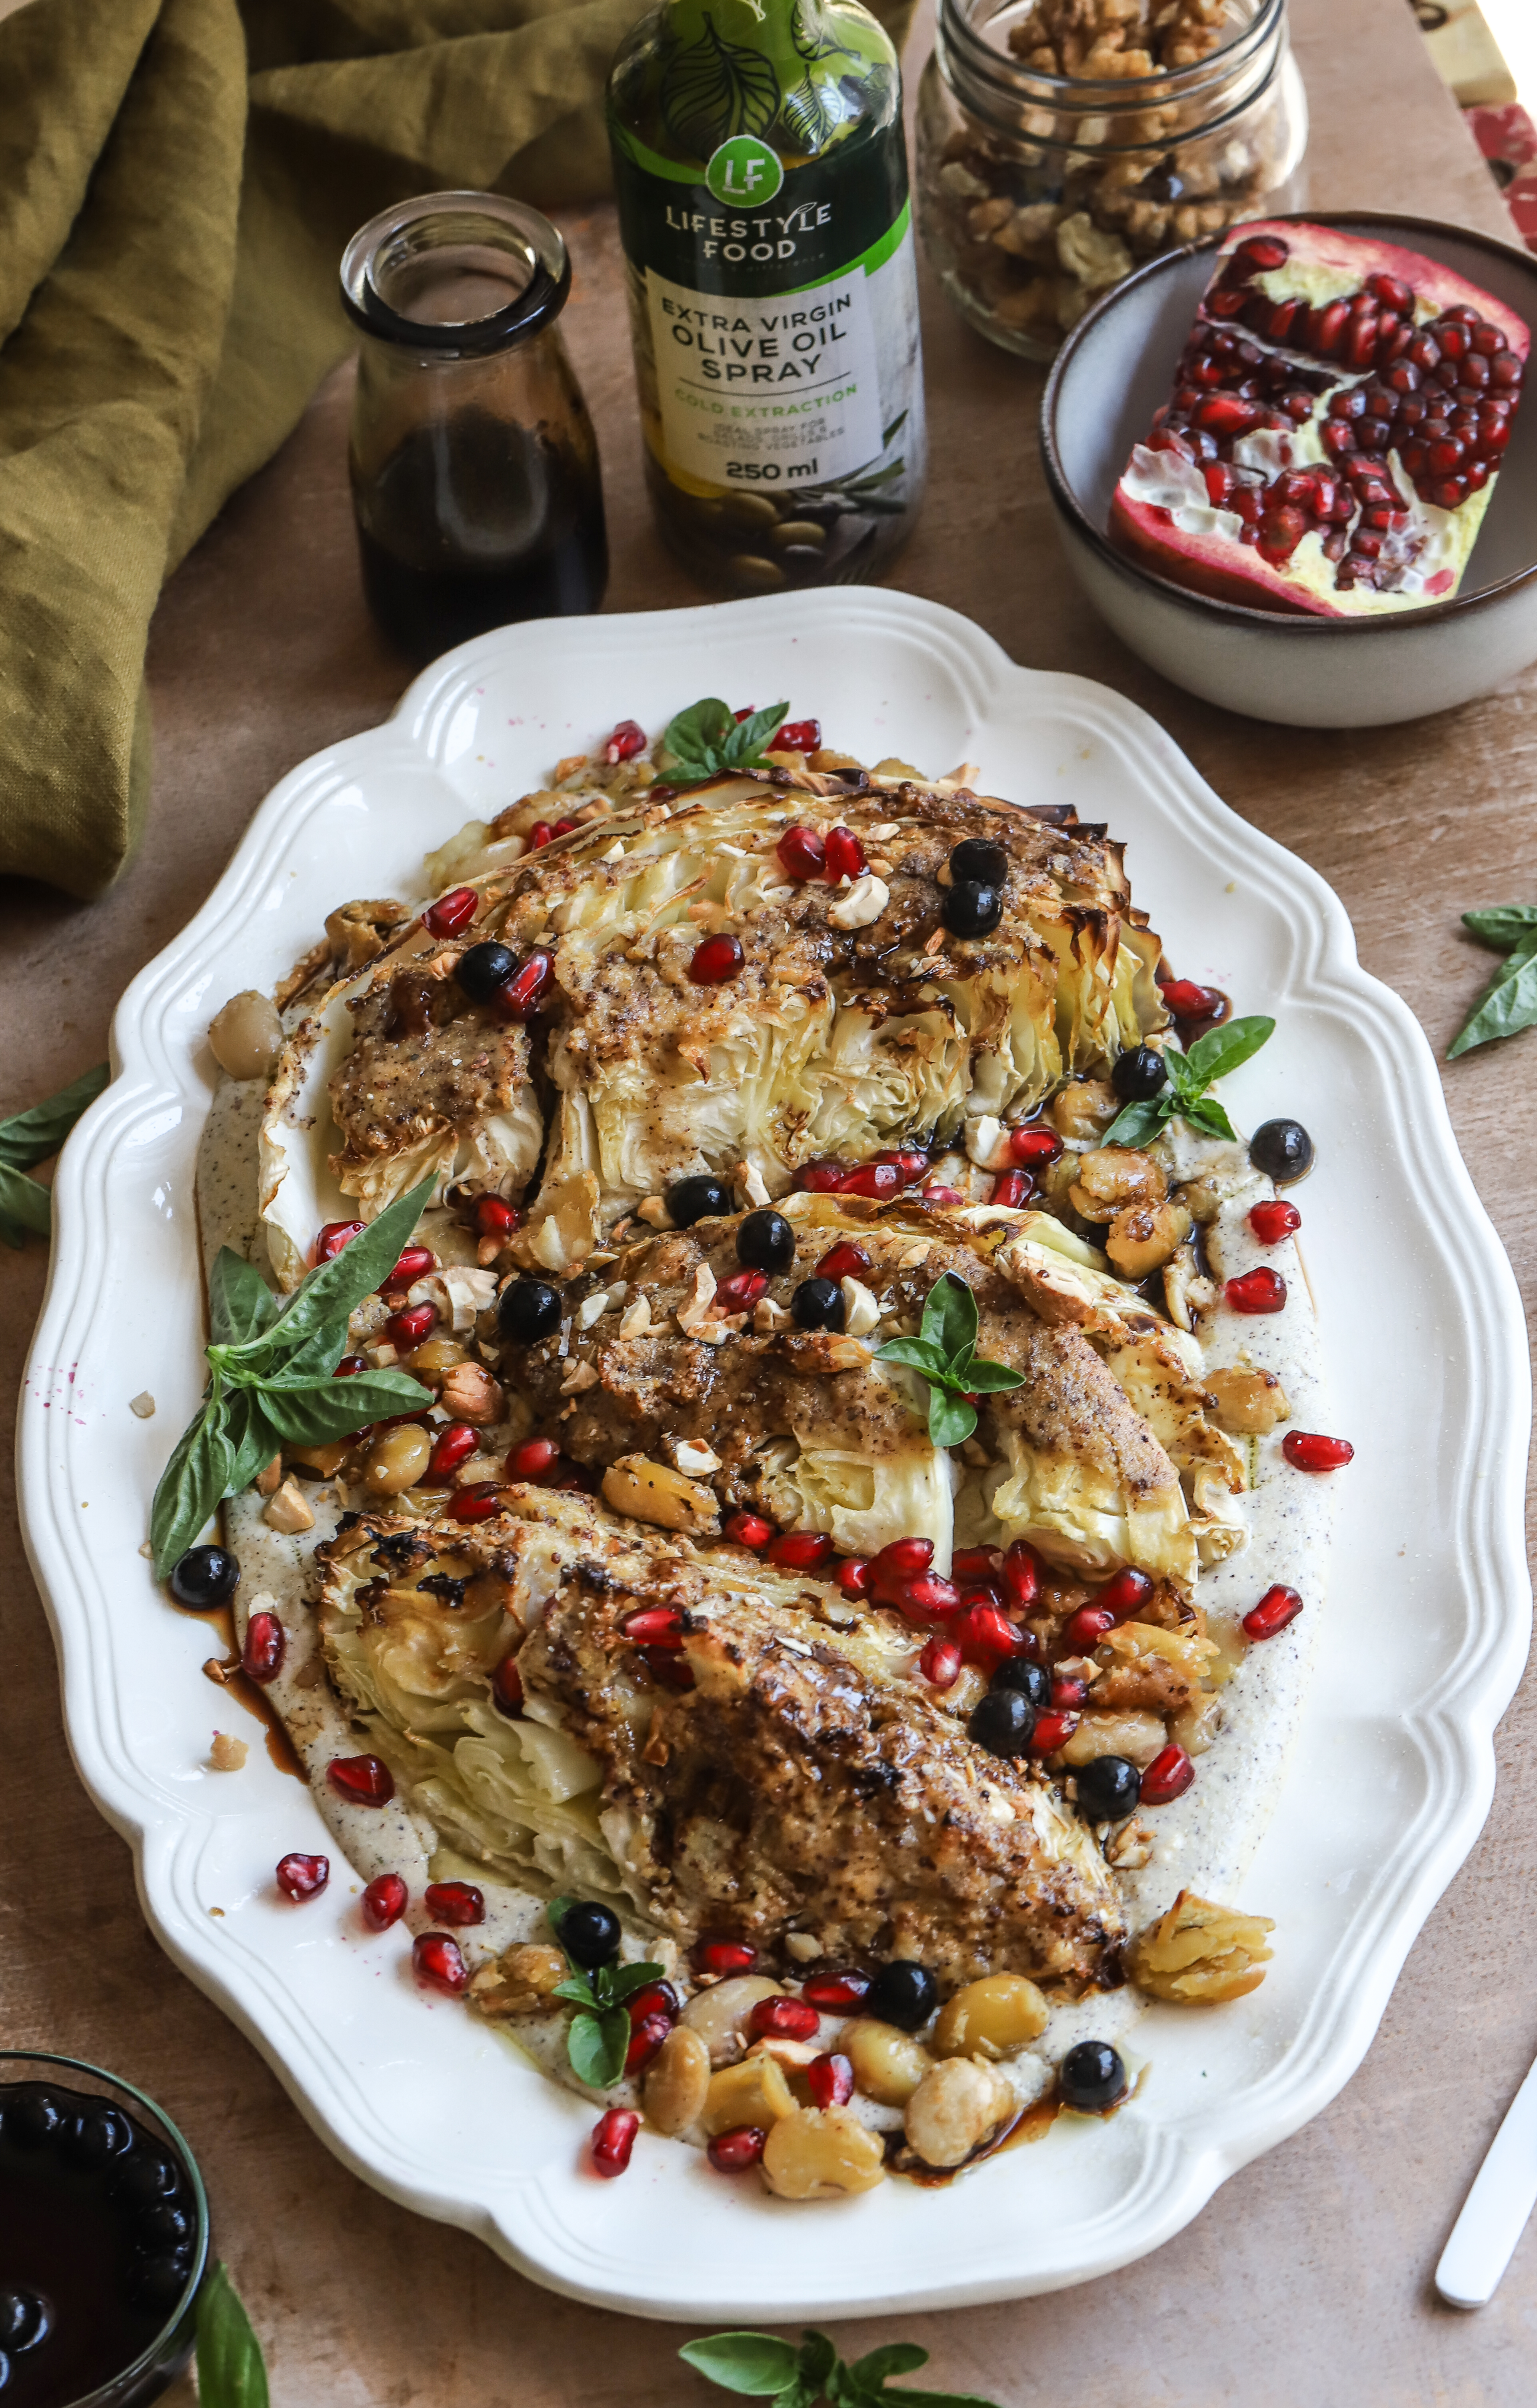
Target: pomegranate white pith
{"x": 1339, "y": 417}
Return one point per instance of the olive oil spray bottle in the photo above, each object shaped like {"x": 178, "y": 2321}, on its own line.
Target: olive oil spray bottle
{"x": 762, "y": 201}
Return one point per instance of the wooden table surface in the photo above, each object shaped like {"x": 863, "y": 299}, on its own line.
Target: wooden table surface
{"x": 1306, "y": 2283}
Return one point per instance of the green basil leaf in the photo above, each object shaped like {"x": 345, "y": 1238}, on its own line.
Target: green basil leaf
{"x": 1504, "y": 1007}
{"x": 816, "y": 2360}
{"x": 1141, "y": 1123}
{"x": 1509, "y": 924}
{"x": 918, "y": 1353}
{"x": 695, "y": 735}
{"x": 240, "y": 1303}
{"x": 252, "y": 1437}
{"x": 578, "y": 1990}
{"x": 1222, "y": 1048}
{"x": 895, "y": 2357}
{"x": 190, "y": 1486}
{"x": 749, "y": 741}
{"x": 327, "y": 1294}
{"x": 984, "y": 1379}
{"x": 27, "y": 1208}
{"x": 32, "y": 1136}
{"x": 624, "y": 1980}
{"x": 313, "y": 1412}
{"x": 230, "y": 2371}
{"x": 1178, "y": 1068}
{"x": 597, "y": 2046}
{"x": 934, "y": 2398}
{"x": 754, "y": 2362}
{"x": 951, "y": 1419}
{"x": 950, "y": 1317}
{"x": 557, "y": 1908}
{"x": 1205, "y": 1112}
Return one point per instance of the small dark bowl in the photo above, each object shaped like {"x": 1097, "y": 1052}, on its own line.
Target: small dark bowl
{"x": 1117, "y": 368}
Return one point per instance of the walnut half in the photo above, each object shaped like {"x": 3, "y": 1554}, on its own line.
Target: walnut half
{"x": 1201, "y": 1953}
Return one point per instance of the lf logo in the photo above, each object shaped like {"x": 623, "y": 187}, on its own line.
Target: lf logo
{"x": 743, "y": 171}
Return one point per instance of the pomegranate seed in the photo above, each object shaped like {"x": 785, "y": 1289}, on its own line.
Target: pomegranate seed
{"x": 716, "y": 960}
{"x": 657, "y": 1999}
{"x": 1276, "y": 1608}
{"x": 495, "y": 1218}
{"x": 1219, "y": 482}
{"x": 732, "y": 2153}
{"x": 982, "y": 1634}
{"x": 1012, "y": 1187}
{"x": 455, "y": 1445}
{"x": 450, "y": 913}
{"x": 821, "y": 1178}
{"x": 669, "y": 1670}
{"x": 627, "y": 739}
{"x": 1391, "y": 292}
{"x": 844, "y": 1261}
{"x": 261, "y": 1656}
{"x": 1188, "y": 1001}
{"x": 349, "y": 1366}
{"x": 924, "y": 1598}
{"x": 507, "y": 1688}
{"x": 1122, "y": 1596}
{"x": 414, "y": 1264}
{"x": 562, "y": 827}
{"x": 974, "y": 1564}
{"x": 1022, "y": 1574}
{"x": 540, "y": 834}
{"x": 1169, "y": 1773}
{"x": 300, "y": 1877}
{"x": 740, "y": 1292}
{"x": 783, "y": 2019}
{"x": 800, "y": 1551}
{"x": 439, "y": 1962}
{"x": 518, "y": 997}
{"x": 941, "y": 1196}
{"x": 655, "y": 1626}
{"x": 1227, "y": 413}
{"x": 1309, "y": 1451}
{"x": 872, "y": 1178}
{"x": 456, "y": 1902}
{"x": 1050, "y": 1732}
{"x": 407, "y": 1328}
{"x": 1274, "y": 1220}
{"x": 332, "y": 1237}
{"x": 745, "y": 712}
{"x": 477, "y": 1504}
{"x": 534, "y": 1459}
{"x": 724, "y": 1957}
{"x": 799, "y": 735}
{"x": 646, "y": 2038}
{"x": 1034, "y": 1147}
{"x": 1085, "y": 1629}
{"x": 1067, "y": 1695}
{"x": 830, "y": 2081}
{"x": 983, "y": 1593}
{"x": 835, "y": 1994}
{"x": 384, "y": 1901}
{"x": 909, "y": 1161}
{"x": 900, "y": 1559}
{"x": 749, "y": 1531}
{"x": 366, "y": 1780}
{"x": 845, "y": 855}
{"x": 941, "y": 1662}
{"x": 854, "y": 1576}
{"x": 1258, "y": 254}
{"x": 801, "y": 855}
{"x": 1260, "y": 1291}
{"x": 613, "y": 2138}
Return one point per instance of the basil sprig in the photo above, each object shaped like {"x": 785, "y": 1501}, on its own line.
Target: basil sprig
{"x": 1184, "y": 1097}
{"x": 1509, "y": 1003}
{"x": 945, "y": 1352}
{"x": 26, "y": 1207}
{"x": 230, "y": 2369}
{"x": 271, "y": 1379}
{"x": 599, "y": 2035}
{"x": 767, "y": 2368}
{"x": 706, "y": 738}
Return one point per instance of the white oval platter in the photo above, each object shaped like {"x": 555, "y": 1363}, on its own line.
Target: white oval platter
{"x": 1426, "y": 1629}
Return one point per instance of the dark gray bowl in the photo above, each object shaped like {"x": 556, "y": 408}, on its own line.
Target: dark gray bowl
{"x": 1112, "y": 374}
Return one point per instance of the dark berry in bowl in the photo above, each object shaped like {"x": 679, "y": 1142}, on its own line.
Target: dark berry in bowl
{"x": 765, "y": 1242}
{"x": 204, "y": 1578}
{"x": 1283, "y": 1150}
{"x": 26, "y": 2318}
{"x": 1138, "y": 1075}
{"x": 1109, "y": 1789}
{"x": 700, "y": 1198}
{"x": 1092, "y": 2077}
{"x": 903, "y": 1994}
{"x": 528, "y": 1309}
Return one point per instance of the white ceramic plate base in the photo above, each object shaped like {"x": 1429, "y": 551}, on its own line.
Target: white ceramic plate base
{"x": 1426, "y": 1623}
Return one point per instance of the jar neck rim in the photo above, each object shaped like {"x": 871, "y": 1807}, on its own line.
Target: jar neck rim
{"x": 511, "y": 226}
{"x": 987, "y": 78}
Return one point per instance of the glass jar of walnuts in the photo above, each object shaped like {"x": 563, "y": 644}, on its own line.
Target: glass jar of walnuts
{"x": 1063, "y": 142}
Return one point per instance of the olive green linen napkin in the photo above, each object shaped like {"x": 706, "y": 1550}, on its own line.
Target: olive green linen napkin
{"x": 178, "y": 178}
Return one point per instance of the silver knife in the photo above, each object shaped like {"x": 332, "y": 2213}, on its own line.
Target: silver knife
{"x": 1494, "y": 2214}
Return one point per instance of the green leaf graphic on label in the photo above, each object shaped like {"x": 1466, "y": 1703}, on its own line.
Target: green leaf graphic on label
{"x": 713, "y": 89}
{"x": 813, "y": 112}
{"x": 744, "y": 171}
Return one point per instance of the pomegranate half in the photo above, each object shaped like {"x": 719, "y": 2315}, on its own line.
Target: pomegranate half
{"x": 1338, "y": 420}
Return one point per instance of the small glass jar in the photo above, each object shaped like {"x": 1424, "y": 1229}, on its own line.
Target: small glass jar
{"x": 1037, "y": 192}
{"x": 474, "y": 464}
